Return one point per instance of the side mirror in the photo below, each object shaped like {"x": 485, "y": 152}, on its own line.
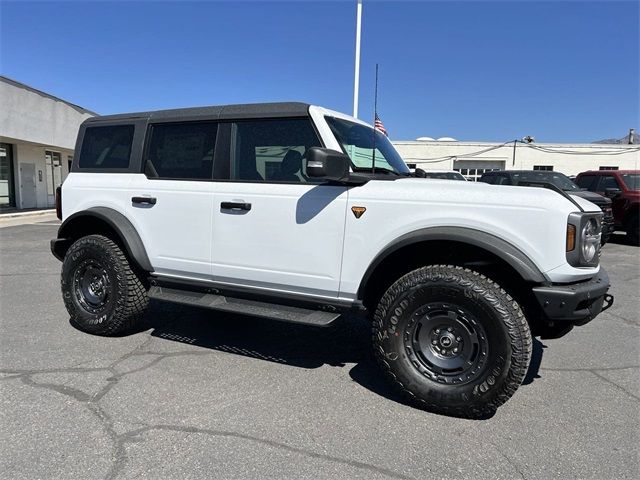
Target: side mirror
{"x": 328, "y": 164}
{"x": 612, "y": 192}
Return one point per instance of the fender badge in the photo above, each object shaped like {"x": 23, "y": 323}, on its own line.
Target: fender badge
{"x": 358, "y": 211}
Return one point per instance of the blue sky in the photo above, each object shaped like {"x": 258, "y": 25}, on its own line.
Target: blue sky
{"x": 491, "y": 71}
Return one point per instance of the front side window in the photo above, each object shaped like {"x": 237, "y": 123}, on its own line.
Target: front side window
{"x": 106, "y": 147}
{"x": 608, "y": 181}
{"x": 359, "y": 141}
{"x": 181, "y": 150}
{"x": 272, "y": 150}
{"x": 631, "y": 180}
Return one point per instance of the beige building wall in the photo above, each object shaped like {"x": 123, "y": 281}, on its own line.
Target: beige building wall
{"x": 36, "y": 127}
{"x": 569, "y": 159}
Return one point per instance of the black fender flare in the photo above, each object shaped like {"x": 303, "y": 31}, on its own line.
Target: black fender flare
{"x": 129, "y": 236}
{"x": 502, "y": 249}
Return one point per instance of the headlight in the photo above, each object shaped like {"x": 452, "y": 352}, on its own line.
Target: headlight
{"x": 583, "y": 239}
{"x": 590, "y": 240}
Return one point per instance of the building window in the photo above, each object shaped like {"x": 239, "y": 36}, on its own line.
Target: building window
{"x": 474, "y": 174}
{"x": 548, "y": 168}
{"x": 7, "y": 198}
{"x": 607, "y": 168}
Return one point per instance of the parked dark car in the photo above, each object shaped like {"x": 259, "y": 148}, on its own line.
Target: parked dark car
{"x": 440, "y": 174}
{"x": 560, "y": 180}
{"x": 623, "y": 187}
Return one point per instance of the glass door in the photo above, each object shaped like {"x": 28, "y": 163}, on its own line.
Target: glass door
{"x": 54, "y": 172}
{"x": 7, "y": 197}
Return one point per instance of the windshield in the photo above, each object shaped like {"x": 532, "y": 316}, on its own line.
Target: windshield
{"x": 357, "y": 141}
{"x": 632, "y": 180}
{"x": 560, "y": 180}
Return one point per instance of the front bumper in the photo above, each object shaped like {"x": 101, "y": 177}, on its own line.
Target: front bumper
{"x": 577, "y": 303}
{"x": 607, "y": 225}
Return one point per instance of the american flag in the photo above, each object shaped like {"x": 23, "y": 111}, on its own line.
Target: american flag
{"x": 378, "y": 125}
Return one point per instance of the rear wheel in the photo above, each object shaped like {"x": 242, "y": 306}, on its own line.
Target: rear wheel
{"x": 102, "y": 292}
{"x": 452, "y": 340}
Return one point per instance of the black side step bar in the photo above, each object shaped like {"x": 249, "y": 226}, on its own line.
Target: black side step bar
{"x": 211, "y": 301}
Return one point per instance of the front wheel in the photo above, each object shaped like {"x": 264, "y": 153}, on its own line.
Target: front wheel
{"x": 103, "y": 293}
{"x": 452, "y": 340}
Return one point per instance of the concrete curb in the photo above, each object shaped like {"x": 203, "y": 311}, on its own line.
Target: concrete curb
{"x": 33, "y": 213}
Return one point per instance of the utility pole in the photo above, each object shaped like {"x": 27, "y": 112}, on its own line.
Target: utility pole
{"x": 356, "y": 80}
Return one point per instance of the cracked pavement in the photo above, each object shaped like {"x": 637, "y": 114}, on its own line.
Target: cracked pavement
{"x": 199, "y": 394}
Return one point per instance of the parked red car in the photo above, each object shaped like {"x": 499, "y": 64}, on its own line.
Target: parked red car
{"x": 623, "y": 187}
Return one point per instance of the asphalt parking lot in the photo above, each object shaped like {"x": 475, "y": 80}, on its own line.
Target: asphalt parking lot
{"x": 206, "y": 395}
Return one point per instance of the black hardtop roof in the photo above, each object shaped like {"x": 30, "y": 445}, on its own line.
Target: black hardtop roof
{"x": 219, "y": 112}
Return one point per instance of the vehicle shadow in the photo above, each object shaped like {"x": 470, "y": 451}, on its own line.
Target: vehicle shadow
{"x": 346, "y": 341}
{"x": 620, "y": 238}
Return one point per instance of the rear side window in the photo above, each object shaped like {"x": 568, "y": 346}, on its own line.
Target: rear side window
{"x": 106, "y": 147}
{"x": 181, "y": 150}
{"x": 587, "y": 181}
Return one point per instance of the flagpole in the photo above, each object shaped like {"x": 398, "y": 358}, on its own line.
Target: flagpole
{"x": 356, "y": 80}
{"x": 375, "y": 116}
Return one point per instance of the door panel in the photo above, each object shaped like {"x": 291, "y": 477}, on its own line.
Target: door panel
{"x": 172, "y": 203}
{"x": 290, "y": 239}
{"x": 176, "y": 229}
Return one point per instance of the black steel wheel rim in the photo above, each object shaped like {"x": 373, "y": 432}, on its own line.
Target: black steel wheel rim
{"x": 92, "y": 286}
{"x": 446, "y": 343}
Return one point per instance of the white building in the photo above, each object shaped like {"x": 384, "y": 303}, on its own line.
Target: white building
{"x": 37, "y": 137}
{"x": 472, "y": 159}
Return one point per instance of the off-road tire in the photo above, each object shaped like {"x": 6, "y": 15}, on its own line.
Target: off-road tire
{"x": 125, "y": 295}
{"x": 497, "y": 314}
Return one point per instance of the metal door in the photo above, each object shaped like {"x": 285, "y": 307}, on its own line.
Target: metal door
{"x": 28, "y": 185}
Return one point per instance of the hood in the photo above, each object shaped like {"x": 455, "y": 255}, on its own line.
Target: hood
{"x": 448, "y": 192}
{"x": 593, "y": 197}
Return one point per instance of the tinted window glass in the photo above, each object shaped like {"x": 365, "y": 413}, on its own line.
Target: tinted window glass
{"x": 106, "y": 147}
{"x": 491, "y": 179}
{"x": 586, "y": 181}
{"x": 556, "y": 178}
{"x": 444, "y": 175}
{"x": 502, "y": 180}
{"x": 181, "y": 150}
{"x": 272, "y": 150}
{"x": 607, "y": 181}
{"x": 632, "y": 180}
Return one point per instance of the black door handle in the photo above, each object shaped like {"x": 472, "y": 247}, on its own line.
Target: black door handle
{"x": 144, "y": 200}
{"x": 235, "y": 206}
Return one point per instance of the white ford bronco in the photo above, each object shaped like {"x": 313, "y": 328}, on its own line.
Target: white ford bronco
{"x": 297, "y": 213}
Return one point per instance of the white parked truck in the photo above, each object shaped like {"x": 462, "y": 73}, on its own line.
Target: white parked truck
{"x": 298, "y": 213}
